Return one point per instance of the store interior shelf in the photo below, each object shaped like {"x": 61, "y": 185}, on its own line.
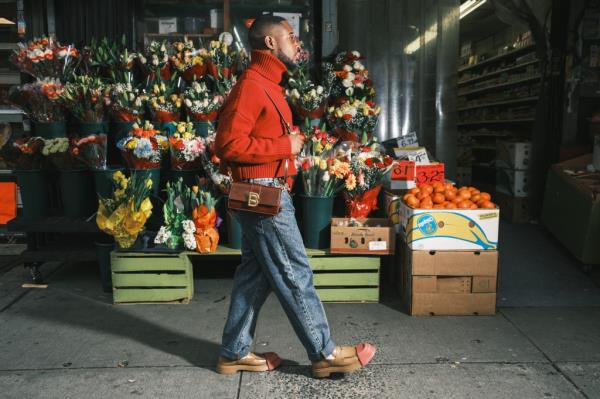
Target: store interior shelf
{"x": 497, "y": 121}
{"x": 498, "y": 103}
{"x": 498, "y": 57}
{"x": 498, "y": 86}
{"x": 498, "y": 72}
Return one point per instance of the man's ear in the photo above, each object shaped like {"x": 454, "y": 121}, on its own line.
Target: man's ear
{"x": 270, "y": 42}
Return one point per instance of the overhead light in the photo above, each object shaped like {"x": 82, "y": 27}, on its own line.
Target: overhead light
{"x": 4, "y": 21}
{"x": 469, "y": 6}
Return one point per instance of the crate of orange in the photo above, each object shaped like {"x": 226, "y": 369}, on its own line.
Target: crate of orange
{"x": 441, "y": 216}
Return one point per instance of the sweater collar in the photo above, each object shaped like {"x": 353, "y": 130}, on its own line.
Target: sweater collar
{"x": 267, "y": 65}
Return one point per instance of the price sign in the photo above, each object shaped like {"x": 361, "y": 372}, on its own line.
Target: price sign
{"x": 403, "y": 170}
{"x": 408, "y": 140}
{"x": 428, "y": 174}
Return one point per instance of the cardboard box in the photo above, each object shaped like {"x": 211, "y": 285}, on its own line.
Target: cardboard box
{"x": 513, "y": 155}
{"x": 449, "y": 229}
{"x": 512, "y": 182}
{"x": 514, "y": 209}
{"x": 456, "y": 283}
{"x": 571, "y": 209}
{"x": 375, "y": 237}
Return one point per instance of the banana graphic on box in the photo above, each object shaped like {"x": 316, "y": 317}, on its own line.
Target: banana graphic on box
{"x": 448, "y": 225}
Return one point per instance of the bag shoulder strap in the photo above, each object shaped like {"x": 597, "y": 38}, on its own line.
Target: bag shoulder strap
{"x": 288, "y": 131}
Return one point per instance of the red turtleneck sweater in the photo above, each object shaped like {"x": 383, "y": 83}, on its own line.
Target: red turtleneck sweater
{"x": 251, "y": 139}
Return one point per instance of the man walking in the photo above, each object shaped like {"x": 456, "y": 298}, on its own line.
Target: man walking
{"x": 252, "y": 143}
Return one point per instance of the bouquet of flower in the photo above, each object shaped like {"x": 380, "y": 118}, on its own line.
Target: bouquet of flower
{"x": 205, "y": 219}
{"x": 348, "y": 77}
{"x": 221, "y": 59}
{"x": 127, "y": 103}
{"x": 368, "y": 168}
{"x": 186, "y": 148}
{"x": 224, "y": 85}
{"x": 211, "y": 165}
{"x": 178, "y": 227}
{"x": 354, "y": 120}
{"x": 106, "y": 59}
{"x": 155, "y": 61}
{"x": 305, "y": 97}
{"x": 124, "y": 215}
{"x": 39, "y": 100}
{"x": 61, "y": 153}
{"x": 201, "y": 103}
{"x": 164, "y": 101}
{"x": 144, "y": 147}
{"x": 86, "y": 97}
{"x": 315, "y": 161}
{"x": 24, "y": 153}
{"x": 188, "y": 61}
{"x": 91, "y": 150}
{"x": 45, "y": 57}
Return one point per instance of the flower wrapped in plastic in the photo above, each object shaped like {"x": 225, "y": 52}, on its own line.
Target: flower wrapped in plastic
{"x": 165, "y": 102}
{"x": 127, "y": 103}
{"x": 24, "y": 153}
{"x": 154, "y": 62}
{"x": 306, "y": 98}
{"x": 221, "y": 58}
{"x": 91, "y": 150}
{"x": 86, "y": 97}
{"x": 62, "y": 153}
{"x": 178, "y": 228}
{"x": 205, "y": 219}
{"x": 186, "y": 149}
{"x": 40, "y": 100}
{"x": 144, "y": 147}
{"x": 354, "y": 120}
{"x": 125, "y": 213}
{"x": 188, "y": 61}
{"x": 110, "y": 60}
{"x": 347, "y": 77}
{"x": 202, "y": 104}
{"x": 45, "y": 57}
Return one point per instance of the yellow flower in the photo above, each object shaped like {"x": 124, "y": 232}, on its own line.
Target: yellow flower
{"x": 350, "y": 182}
{"x": 118, "y": 176}
{"x": 318, "y": 148}
{"x": 124, "y": 183}
{"x": 365, "y": 111}
{"x": 195, "y": 189}
{"x": 131, "y": 144}
{"x": 149, "y": 183}
{"x": 323, "y": 164}
{"x": 174, "y": 97}
{"x": 316, "y": 160}
{"x": 181, "y": 127}
{"x": 178, "y": 103}
{"x": 339, "y": 169}
{"x": 215, "y": 44}
{"x": 119, "y": 193}
{"x": 164, "y": 144}
{"x": 188, "y": 136}
{"x": 161, "y": 99}
{"x": 224, "y": 48}
{"x": 328, "y": 147}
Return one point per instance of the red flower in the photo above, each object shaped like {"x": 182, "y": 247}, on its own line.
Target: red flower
{"x": 371, "y": 103}
{"x": 347, "y": 117}
{"x": 387, "y": 161}
{"x": 380, "y": 165}
{"x": 369, "y": 162}
{"x": 366, "y": 149}
{"x": 154, "y": 143}
{"x": 306, "y": 164}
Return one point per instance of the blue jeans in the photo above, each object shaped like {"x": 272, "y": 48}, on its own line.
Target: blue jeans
{"x": 274, "y": 259}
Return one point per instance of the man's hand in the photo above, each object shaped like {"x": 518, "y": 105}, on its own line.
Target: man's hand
{"x": 297, "y": 141}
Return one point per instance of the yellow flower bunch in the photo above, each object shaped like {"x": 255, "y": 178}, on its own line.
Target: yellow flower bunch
{"x": 350, "y": 182}
{"x": 339, "y": 169}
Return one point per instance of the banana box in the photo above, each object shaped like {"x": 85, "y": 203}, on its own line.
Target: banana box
{"x": 449, "y": 229}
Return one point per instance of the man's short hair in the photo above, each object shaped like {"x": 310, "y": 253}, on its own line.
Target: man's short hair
{"x": 260, "y": 28}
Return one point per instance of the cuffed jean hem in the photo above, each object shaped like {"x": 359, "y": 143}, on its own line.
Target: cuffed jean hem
{"x": 327, "y": 350}
{"x": 227, "y": 354}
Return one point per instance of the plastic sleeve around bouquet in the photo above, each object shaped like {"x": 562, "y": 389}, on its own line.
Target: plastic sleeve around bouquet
{"x": 201, "y": 117}
{"x": 125, "y": 223}
{"x": 91, "y": 150}
{"x": 165, "y": 116}
{"x": 361, "y": 205}
{"x": 206, "y": 235}
{"x": 196, "y": 71}
{"x": 126, "y": 116}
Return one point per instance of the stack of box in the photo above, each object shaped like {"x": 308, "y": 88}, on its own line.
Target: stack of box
{"x": 448, "y": 260}
{"x": 512, "y": 169}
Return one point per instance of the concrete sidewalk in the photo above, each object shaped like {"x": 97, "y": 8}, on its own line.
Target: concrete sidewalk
{"x": 69, "y": 341}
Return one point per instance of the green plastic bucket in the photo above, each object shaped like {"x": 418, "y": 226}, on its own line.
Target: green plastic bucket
{"x": 201, "y": 128}
{"x": 34, "y": 192}
{"x": 316, "y": 221}
{"x": 85, "y": 128}
{"x": 49, "y": 130}
{"x": 77, "y": 193}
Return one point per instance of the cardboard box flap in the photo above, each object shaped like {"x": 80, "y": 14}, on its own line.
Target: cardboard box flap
{"x": 454, "y": 263}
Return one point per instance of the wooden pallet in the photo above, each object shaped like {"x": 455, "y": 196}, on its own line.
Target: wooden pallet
{"x": 337, "y": 277}
{"x": 151, "y": 278}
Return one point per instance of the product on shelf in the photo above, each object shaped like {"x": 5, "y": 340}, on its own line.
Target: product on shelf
{"x": 447, "y": 196}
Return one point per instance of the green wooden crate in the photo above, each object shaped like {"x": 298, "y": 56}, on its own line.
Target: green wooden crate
{"x": 346, "y": 278}
{"x": 151, "y": 278}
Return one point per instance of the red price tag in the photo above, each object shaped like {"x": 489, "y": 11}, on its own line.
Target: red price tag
{"x": 403, "y": 170}
{"x": 427, "y": 174}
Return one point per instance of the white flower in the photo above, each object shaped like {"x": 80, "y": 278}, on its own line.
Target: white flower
{"x": 350, "y": 76}
{"x": 142, "y": 59}
{"x": 349, "y": 91}
{"x": 138, "y": 102}
{"x": 188, "y": 226}
{"x": 351, "y": 111}
{"x": 188, "y": 103}
{"x": 356, "y": 54}
{"x": 346, "y": 83}
{"x": 155, "y": 62}
{"x": 313, "y": 93}
{"x": 347, "y": 68}
{"x": 357, "y": 65}
{"x": 295, "y": 93}
{"x": 326, "y": 176}
{"x": 360, "y": 85}
{"x": 291, "y": 81}
{"x": 189, "y": 241}
{"x": 162, "y": 236}
{"x": 319, "y": 89}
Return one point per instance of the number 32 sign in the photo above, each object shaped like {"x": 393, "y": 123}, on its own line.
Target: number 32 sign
{"x": 421, "y": 174}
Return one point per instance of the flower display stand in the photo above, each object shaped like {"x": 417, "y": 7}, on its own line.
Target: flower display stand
{"x": 167, "y": 278}
{"x": 151, "y": 278}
